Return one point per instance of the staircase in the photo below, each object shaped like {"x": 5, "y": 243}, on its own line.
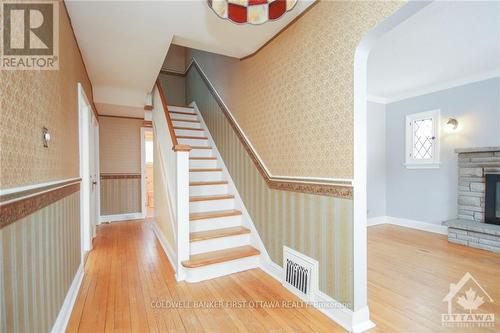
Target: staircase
{"x": 220, "y": 240}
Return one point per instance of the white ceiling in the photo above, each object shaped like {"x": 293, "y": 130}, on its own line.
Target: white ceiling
{"x": 124, "y": 43}
{"x": 447, "y": 43}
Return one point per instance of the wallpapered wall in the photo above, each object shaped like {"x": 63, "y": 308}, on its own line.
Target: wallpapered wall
{"x": 294, "y": 98}
{"x": 41, "y": 254}
{"x": 319, "y": 226}
{"x": 120, "y": 153}
{"x": 30, "y": 100}
{"x": 120, "y": 145}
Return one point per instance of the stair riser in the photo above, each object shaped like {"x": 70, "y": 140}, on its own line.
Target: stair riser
{"x": 202, "y": 164}
{"x": 183, "y": 116}
{"x": 205, "y": 176}
{"x": 193, "y": 142}
{"x": 200, "y": 153}
{"x": 211, "y": 205}
{"x": 222, "y": 269}
{"x": 215, "y": 223}
{"x": 185, "y": 124}
{"x": 208, "y": 190}
{"x": 180, "y": 109}
{"x": 189, "y": 132}
{"x": 219, "y": 243}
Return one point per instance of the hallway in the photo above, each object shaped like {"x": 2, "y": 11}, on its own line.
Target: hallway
{"x": 128, "y": 272}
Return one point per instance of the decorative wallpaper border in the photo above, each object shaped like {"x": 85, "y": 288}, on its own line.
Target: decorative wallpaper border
{"x": 14, "y": 207}
{"x": 333, "y": 188}
{"x": 120, "y": 176}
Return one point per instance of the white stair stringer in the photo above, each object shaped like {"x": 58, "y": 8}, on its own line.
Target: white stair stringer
{"x": 253, "y": 239}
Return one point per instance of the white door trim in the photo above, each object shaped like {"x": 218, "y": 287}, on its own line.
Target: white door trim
{"x": 144, "y": 211}
{"x": 361, "y": 315}
{"x": 85, "y": 116}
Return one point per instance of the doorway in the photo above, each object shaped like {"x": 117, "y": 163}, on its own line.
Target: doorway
{"x": 89, "y": 171}
{"x": 147, "y": 171}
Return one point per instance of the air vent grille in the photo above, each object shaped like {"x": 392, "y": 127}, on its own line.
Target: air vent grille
{"x": 297, "y": 276}
{"x": 300, "y": 273}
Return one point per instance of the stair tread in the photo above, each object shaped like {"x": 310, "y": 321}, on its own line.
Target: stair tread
{"x": 205, "y": 169}
{"x": 196, "y": 198}
{"x": 203, "y": 158}
{"x": 188, "y": 128}
{"x": 215, "y": 257}
{"x": 181, "y": 106}
{"x": 191, "y": 137}
{"x": 213, "y": 214}
{"x": 200, "y": 147}
{"x": 219, "y": 182}
{"x": 185, "y": 113}
{"x": 217, "y": 233}
{"x": 186, "y": 120}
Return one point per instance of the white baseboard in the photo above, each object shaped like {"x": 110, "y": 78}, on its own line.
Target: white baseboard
{"x": 419, "y": 225}
{"x": 165, "y": 246}
{"x": 121, "y": 217}
{"x": 356, "y": 322}
{"x": 377, "y": 220}
{"x": 69, "y": 301}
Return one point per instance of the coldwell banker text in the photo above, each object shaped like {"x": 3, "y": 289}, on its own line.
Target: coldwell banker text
{"x": 30, "y": 38}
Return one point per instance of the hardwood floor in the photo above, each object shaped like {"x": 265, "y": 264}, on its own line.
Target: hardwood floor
{"x": 409, "y": 274}
{"x": 129, "y": 286}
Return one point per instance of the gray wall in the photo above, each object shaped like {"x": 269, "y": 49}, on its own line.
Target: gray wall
{"x": 174, "y": 88}
{"x": 430, "y": 195}
{"x": 376, "y": 160}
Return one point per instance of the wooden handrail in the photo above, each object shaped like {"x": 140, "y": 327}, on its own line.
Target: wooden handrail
{"x": 175, "y": 144}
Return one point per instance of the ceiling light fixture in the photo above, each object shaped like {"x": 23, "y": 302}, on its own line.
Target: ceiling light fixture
{"x": 251, "y": 11}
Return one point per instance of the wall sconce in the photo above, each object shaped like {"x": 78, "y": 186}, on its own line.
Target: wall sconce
{"x": 451, "y": 125}
{"x": 45, "y": 137}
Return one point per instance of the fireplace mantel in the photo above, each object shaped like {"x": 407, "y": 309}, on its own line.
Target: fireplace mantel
{"x": 477, "y": 150}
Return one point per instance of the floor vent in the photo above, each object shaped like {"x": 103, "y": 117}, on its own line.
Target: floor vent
{"x": 300, "y": 273}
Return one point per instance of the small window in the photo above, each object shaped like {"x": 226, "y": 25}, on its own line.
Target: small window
{"x": 422, "y": 140}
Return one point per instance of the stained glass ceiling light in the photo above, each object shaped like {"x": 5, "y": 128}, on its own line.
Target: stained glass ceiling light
{"x": 251, "y": 11}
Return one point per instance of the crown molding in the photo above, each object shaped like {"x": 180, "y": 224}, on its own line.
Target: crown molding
{"x": 435, "y": 87}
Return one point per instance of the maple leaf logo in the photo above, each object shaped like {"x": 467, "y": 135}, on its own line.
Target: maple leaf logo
{"x": 470, "y": 301}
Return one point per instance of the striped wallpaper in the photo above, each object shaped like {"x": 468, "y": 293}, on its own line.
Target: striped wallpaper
{"x": 41, "y": 255}
{"x": 120, "y": 196}
{"x": 318, "y": 226}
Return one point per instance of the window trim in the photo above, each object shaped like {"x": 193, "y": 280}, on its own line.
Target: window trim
{"x": 410, "y": 162}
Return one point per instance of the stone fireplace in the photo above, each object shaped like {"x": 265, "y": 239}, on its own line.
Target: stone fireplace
{"x": 475, "y": 165}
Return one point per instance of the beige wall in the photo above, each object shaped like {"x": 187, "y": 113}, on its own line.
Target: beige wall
{"x": 174, "y": 88}
{"x": 294, "y": 98}
{"x": 176, "y": 59}
{"x": 40, "y": 256}
{"x": 30, "y": 100}
{"x": 120, "y": 145}
{"x": 164, "y": 218}
{"x": 318, "y": 226}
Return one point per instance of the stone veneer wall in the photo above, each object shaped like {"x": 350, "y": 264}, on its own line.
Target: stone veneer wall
{"x": 473, "y": 166}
